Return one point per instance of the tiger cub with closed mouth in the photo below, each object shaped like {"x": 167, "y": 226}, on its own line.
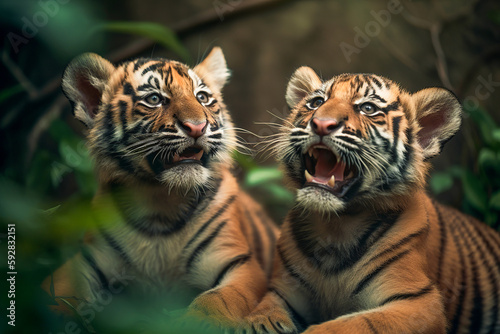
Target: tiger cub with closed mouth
{"x": 162, "y": 140}
{"x": 365, "y": 250}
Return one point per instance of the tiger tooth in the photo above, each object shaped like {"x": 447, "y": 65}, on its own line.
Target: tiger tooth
{"x": 309, "y": 177}
{"x": 331, "y": 182}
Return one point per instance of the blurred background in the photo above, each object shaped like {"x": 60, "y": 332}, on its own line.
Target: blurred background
{"x": 46, "y": 178}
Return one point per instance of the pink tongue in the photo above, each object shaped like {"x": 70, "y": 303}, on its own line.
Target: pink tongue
{"x": 327, "y": 165}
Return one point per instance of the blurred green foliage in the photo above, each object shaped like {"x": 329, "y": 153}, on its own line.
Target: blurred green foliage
{"x": 267, "y": 183}
{"x": 481, "y": 182}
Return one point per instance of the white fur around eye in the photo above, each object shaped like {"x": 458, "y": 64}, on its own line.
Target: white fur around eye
{"x": 207, "y": 92}
{"x": 144, "y": 100}
{"x": 373, "y": 114}
{"x": 312, "y": 102}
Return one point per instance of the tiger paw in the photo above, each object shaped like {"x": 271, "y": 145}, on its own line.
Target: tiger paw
{"x": 211, "y": 308}
{"x": 277, "y": 322}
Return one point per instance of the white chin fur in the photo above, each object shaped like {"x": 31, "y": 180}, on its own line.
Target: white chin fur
{"x": 185, "y": 177}
{"x": 319, "y": 200}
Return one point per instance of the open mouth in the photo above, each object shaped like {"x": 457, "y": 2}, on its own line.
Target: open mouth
{"x": 325, "y": 169}
{"x": 191, "y": 155}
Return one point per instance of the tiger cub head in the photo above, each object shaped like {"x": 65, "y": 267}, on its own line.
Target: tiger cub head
{"x": 153, "y": 120}
{"x": 359, "y": 140}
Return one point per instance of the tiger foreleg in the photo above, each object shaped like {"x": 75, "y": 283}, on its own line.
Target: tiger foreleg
{"x": 235, "y": 297}
{"x": 270, "y": 316}
{"x": 425, "y": 315}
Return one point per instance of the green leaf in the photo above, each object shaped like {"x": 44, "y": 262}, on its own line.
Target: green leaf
{"x": 85, "y": 323}
{"x": 474, "y": 191}
{"x": 489, "y": 161}
{"x": 484, "y": 121}
{"x": 262, "y": 175}
{"x": 494, "y": 16}
{"x": 154, "y": 31}
{"x": 51, "y": 211}
{"x": 491, "y": 218}
{"x": 75, "y": 155}
{"x": 9, "y": 92}
{"x": 59, "y": 130}
{"x": 441, "y": 182}
{"x": 486, "y": 156}
{"x": 279, "y": 193}
{"x": 456, "y": 171}
{"x": 495, "y": 201}
{"x": 246, "y": 162}
{"x": 57, "y": 171}
{"x": 496, "y": 135}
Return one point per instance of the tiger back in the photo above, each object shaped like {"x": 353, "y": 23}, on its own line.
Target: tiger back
{"x": 169, "y": 213}
{"x": 364, "y": 249}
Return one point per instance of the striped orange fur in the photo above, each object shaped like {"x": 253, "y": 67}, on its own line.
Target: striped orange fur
{"x": 169, "y": 211}
{"x": 365, "y": 250}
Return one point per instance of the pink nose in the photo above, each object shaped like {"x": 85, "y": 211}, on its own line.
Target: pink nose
{"x": 195, "y": 130}
{"x": 323, "y": 127}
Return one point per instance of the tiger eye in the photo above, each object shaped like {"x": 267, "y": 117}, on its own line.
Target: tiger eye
{"x": 368, "y": 108}
{"x": 202, "y": 97}
{"x": 316, "y": 102}
{"x": 153, "y": 99}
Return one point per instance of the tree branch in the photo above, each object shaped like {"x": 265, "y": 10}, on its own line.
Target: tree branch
{"x": 441, "y": 65}
{"x": 18, "y": 74}
{"x": 434, "y": 29}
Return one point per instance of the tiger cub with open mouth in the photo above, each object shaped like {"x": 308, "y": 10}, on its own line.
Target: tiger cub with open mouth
{"x": 162, "y": 141}
{"x": 365, "y": 250}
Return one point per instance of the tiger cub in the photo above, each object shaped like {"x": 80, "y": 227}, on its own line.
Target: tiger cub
{"x": 365, "y": 250}
{"x": 162, "y": 141}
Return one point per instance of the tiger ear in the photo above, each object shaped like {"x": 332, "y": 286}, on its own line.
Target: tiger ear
{"x": 83, "y": 83}
{"x": 303, "y": 81}
{"x": 214, "y": 69}
{"x": 439, "y": 115}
